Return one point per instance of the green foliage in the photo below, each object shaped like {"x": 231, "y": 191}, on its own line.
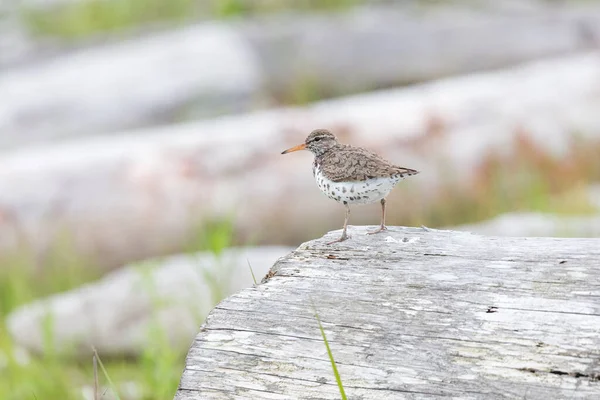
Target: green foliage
{"x": 84, "y": 18}
{"x": 229, "y": 8}
{"x": 155, "y": 374}
{"x": 22, "y": 280}
{"x": 161, "y": 365}
{"x": 215, "y": 236}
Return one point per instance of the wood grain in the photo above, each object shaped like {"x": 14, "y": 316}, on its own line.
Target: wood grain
{"x": 411, "y": 313}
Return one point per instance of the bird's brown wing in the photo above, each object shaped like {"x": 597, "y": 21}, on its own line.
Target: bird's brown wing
{"x": 346, "y": 163}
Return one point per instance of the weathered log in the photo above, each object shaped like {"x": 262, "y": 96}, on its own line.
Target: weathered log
{"x": 129, "y": 84}
{"x": 220, "y": 67}
{"x": 375, "y": 47}
{"x": 116, "y": 314}
{"x": 158, "y": 185}
{"x": 411, "y": 313}
{"x": 537, "y": 224}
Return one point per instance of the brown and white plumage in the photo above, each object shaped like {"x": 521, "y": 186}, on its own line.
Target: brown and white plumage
{"x": 351, "y": 175}
{"x": 347, "y": 163}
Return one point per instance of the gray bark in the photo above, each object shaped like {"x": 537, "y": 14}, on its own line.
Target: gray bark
{"x": 410, "y": 313}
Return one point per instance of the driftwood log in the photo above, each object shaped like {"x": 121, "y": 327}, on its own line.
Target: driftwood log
{"x": 411, "y": 313}
{"x": 152, "y": 185}
{"x": 208, "y": 65}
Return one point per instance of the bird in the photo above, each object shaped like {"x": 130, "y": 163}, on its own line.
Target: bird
{"x": 351, "y": 175}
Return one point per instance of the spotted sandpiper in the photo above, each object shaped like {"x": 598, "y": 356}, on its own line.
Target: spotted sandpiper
{"x": 351, "y": 175}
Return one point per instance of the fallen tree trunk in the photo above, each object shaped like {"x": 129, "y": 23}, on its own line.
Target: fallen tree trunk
{"x": 137, "y": 195}
{"x": 409, "y": 313}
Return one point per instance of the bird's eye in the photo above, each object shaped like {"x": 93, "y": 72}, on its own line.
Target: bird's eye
{"x": 317, "y": 139}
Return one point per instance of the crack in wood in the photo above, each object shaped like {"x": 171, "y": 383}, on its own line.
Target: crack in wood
{"x": 594, "y": 376}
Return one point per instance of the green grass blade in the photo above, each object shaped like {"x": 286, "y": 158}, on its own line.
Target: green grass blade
{"x": 252, "y": 272}
{"x": 333, "y": 366}
{"x": 110, "y": 382}
{"x": 95, "y": 366}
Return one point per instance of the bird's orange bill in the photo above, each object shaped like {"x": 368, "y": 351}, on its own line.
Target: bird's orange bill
{"x": 295, "y": 148}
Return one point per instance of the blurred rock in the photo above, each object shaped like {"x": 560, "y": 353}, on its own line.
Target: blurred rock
{"x": 137, "y": 195}
{"x": 527, "y": 224}
{"x": 218, "y": 68}
{"x": 120, "y": 313}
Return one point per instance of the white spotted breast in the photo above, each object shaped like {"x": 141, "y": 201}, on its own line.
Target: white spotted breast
{"x": 357, "y": 192}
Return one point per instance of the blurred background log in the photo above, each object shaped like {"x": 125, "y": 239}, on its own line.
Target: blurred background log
{"x": 537, "y": 224}
{"x": 116, "y": 314}
{"x": 129, "y": 84}
{"x": 138, "y": 195}
{"x": 223, "y": 67}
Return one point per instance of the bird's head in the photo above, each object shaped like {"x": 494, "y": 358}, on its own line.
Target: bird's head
{"x": 318, "y": 142}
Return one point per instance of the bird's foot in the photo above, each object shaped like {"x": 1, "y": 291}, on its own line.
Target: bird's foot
{"x": 381, "y": 229}
{"x": 341, "y": 239}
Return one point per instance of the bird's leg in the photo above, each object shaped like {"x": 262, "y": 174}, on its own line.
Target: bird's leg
{"x": 344, "y": 235}
{"x": 382, "y": 227}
